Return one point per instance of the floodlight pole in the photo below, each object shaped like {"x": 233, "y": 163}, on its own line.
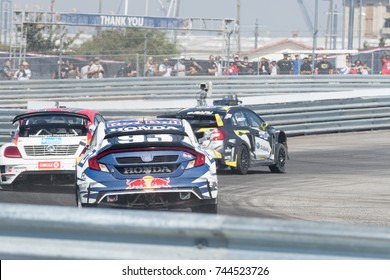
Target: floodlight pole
{"x": 315, "y": 31}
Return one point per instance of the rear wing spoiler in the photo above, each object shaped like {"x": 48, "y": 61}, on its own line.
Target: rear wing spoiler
{"x": 49, "y": 113}
{"x": 146, "y": 132}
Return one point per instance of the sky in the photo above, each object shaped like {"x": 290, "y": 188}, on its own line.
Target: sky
{"x": 276, "y": 18}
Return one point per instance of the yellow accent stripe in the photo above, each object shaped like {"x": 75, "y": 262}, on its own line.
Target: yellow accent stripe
{"x": 217, "y": 154}
{"x": 231, "y": 163}
{"x": 203, "y": 129}
{"x": 219, "y": 120}
{"x": 238, "y": 132}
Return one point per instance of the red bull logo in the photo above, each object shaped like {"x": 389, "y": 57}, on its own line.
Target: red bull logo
{"x": 148, "y": 182}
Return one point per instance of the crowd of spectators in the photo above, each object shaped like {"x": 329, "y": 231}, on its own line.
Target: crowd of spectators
{"x": 287, "y": 65}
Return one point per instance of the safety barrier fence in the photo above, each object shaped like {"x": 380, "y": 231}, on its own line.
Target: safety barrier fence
{"x": 54, "y": 232}
{"x": 338, "y": 114}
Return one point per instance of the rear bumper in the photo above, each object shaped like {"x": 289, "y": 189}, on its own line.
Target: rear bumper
{"x": 35, "y": 171}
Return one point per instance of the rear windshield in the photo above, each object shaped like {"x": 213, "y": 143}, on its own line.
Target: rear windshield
{"x": 53, "y": 125}
{"x": 197, "y": 121}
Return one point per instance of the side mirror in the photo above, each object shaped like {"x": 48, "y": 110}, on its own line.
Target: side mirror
{"x": 263, "y": 126}
{"x": 92, "y": 128}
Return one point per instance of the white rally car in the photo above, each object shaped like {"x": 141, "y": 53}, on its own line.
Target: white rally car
{"x": 45, "y": 147}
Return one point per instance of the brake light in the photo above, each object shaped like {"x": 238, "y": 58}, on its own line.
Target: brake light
{"x": 12, "y": 152}
{"x": 200, "y": 159}
{"x": 93, "y": 164}
{"x": 217, "y": 134}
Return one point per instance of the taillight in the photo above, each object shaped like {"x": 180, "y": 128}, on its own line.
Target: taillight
{"x": 200, "y": 159}
{"x": 217, "y": 134}
{"x": 12, "y": 152}
{"x": 93, "y": 164}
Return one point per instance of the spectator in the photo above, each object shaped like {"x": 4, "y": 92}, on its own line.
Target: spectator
{"x": 24, "y": 73}
{"x": 243, "y": 66}
{"x": 165, "y": 69}
{"x": 386, "y": 64}
{"x": 212, "y": 68}
{"x": 310, "y": 60}
{"x": 250, "y": 69}
{"x": 297, "y": 63}
{"x": 365, "y": 69}
{"x": 194, "y": 68}
{"x": 180, "y": 68}
{"x": 96, "y": 70}
{"x": 219, "y": 66}
{"x": 324, "y": 67}
{"x": 6, "y": 72}
{"x": 150, "y": 68}
{"x": 306, "y": 67}
{"x": 264, "y": 67}
{"x": 64, "y": 71}
{"x": 85, "y": 70}
{"x": 239, "y": 64}
{"x": 285, "y": 65}
{"x": 232, "y": 69}
{"x": 347, "y": 69}
{"x": 358, "y": 66}
{"x": 74, "y": 72}
{"x": 274, "y": 68}
{"x": 130, "y": 70}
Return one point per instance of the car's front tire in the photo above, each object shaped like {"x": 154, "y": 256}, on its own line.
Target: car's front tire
{"x": 280, "y": 157}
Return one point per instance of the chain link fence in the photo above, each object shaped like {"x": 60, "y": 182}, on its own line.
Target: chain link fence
{"x": 196, "y": 64}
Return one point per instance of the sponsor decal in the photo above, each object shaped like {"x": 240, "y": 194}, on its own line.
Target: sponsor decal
{"x": 139, "y": 128}
{"x": 146, "y": 170}
{"x": 147, "y": 182}
{"x": 49, "y": 165}
{"x": 51, "y": 141}
{"x": 200, "y": 113}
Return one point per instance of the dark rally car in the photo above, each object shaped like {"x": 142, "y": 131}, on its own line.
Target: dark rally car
{"x": 237, "y": 137}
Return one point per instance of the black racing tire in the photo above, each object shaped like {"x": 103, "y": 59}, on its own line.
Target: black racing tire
{"x": 281, "y": 158}
{"x": 78, "y": 200}
{"x": 243, "y": 161}
{"x": 206, "y": 209}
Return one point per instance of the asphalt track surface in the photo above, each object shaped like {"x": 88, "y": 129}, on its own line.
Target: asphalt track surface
{"x": 338, "y": 178}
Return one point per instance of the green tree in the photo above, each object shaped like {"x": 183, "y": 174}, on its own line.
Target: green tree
{"x": 382, "y": 42}
{"x": 42, "y": 38}
{"x": 121, "y": 44}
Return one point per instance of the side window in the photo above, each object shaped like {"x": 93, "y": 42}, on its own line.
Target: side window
{"x": 93, "y": 140}
{"x": 254, "y": 120}
{"x": 98, "y": 119}
{"x": 240, "y": 119}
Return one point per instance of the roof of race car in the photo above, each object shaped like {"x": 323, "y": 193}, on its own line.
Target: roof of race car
{"x": 209, "y": 110}
{"x": 74, "y": 111}
{"x": 152, "y": 125}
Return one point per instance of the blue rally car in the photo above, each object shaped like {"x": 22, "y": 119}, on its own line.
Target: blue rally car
{"x": 154, "y": 163}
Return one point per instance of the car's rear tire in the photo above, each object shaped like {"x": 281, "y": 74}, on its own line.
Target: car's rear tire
{"x": 243, "y": 161}
{"x": 78, "y": 199}
{"x": 208, "y": 208}
{"x": 280, "y": 157}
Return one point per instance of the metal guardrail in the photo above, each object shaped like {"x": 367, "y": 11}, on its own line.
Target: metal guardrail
{"x": 15, "y": 92}
{"x": 296, "y": 118}
{"x": 53, "y": 232}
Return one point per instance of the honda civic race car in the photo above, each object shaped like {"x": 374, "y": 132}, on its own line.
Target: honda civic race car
{"x": 154, "y": 163}
{"x": 45, "y": 147}
{"x": 236, "y": 136}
